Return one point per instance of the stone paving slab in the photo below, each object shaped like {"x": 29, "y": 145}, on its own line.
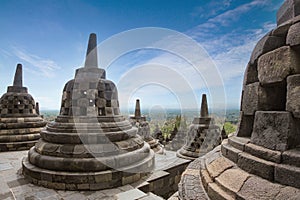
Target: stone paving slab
{"x": 15, "y": 186}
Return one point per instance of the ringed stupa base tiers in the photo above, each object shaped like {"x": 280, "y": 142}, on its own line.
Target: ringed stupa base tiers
{"x": 88, "y": 160}
{"x": 89, "y": 146}
{"x": 20, "y": 123}
{"x": 202, "y": 137}
{"x": 215, "y": 176}
{"x": 19, "y": 133}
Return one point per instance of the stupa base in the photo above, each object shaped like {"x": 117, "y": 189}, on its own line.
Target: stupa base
{"x": 154, "y": 144}
{"x": 62, "y": 180}
{"x": 17, "y": 146}
{"x": 238, "y": 169}
{"x": 189, "y": 155}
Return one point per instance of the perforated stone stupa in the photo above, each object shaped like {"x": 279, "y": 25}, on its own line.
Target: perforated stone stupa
{"x": 143, "y": 126}
{"x": 203, "y": 135}
{"x": 262, "y": 160}
{"x": 20, "y": 124}
{"x": 89, "y": 146}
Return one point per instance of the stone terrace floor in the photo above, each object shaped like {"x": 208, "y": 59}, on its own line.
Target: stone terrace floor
{"x": 13, "y": 185}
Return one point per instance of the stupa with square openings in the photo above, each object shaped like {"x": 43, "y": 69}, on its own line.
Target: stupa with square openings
{"x": 20, "y": 122}
{"x": 89, "y": 146}
{"x": 203, "y": 135}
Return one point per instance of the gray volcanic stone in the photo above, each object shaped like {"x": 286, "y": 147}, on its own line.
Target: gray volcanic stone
{"x": 293, "y": 95}
{"x": 245, "y": 126}
{"x": 257, "y": 97}
{"x": 289, "y": 9}
{"x": 251, "y": 75}
{"x": 276, "y": 65}
{"x": 253, "y": 94}
{"x": 282, "y": 30}
{"x": 274, "y": 130}
{"x": 287, "y": 175}
{"x": 256, "y": 188}
{"x": 293, "y": 36}
{"x": 266, "y": 44}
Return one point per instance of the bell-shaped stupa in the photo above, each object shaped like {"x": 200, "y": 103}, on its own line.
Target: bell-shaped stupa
{"x": 20, "y": 124}
{"x": 143, "y": 126}
{"x": 203, "y": 135}
{"x": 89, "y": 146}
{"x": 262, "y": 159}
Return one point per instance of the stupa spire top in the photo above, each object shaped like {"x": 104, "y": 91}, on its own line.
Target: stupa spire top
{"x": 204, "y": 107}
{"x": 18, "y": 79}
{"x": 137, "y": 112}
{"x": 91, "y": 60}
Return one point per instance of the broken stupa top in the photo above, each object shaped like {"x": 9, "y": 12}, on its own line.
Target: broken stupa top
{"x": 17, "y": 102}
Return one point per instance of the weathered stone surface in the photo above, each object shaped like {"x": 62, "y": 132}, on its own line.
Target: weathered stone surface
{"x": 274, "y": 130}
{"x": 282, "y": 29}
{"x": 238, "y": 142}
{"x": 258, "y": 98}
{"x": 293, "y": 36}
{"x": 291, "y": 157}
{"x": 229, "y": 152}
{"x": 251, "y": 100}
{"x": 251, "y": 74}
{"x": 288, "y": 193}
{"x": 287, "y": 175}
{"x": 288, "y": 10}
{"x": 264, "y": 153}
{"x": 245, "y": 125}
{"x": 264, "y": 45}
{"x": 256, "y": 166}
{"x": 206, "y": 179}
{"x": 218, "y": 166}
{"x": 258, "y": 188}
{"x": 232, "y": 179}
{"x": 276, "y": 65}
{"x": 216, "y": 193}
{"x": 293, "y": 95}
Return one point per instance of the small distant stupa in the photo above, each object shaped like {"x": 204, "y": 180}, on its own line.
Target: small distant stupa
{"x": 203, "y": 135}
{"x": 20, "y": 123}
{"x": 140, "y": 122}
{"x": 89, "y": 146}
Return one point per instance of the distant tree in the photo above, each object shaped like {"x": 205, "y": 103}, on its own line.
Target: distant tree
{"x": 229, "y": 127}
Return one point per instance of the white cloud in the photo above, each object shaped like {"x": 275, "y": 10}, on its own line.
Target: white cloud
{"x": 37, "y": 65}
{"x": 229, "y": 50}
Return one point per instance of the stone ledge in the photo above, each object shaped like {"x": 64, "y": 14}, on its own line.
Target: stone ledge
{"x": 291, "y": 157}
{"x": 287, "y": 175}
{"x": 232, "y": 180}
{"x": 216, "y": 193}
{"x": 238, "y": 142}
{"x": 230, "y": 152}
{"x": 218, "y": 166}
{"x": 263, "y": 153}
{"x": 257, "y": 166}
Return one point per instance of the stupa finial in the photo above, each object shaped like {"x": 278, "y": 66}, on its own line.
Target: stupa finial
{"x": 137, "y": 112}
{"x": 91, "y": 60}
{"x": 204, "y": 107}
{"x": 18, "y": 80}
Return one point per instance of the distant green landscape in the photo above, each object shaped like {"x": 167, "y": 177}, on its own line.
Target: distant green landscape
{"x": 168, "y": 120}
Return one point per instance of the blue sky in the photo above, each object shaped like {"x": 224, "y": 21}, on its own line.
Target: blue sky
{"x": 50, "y": 37}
